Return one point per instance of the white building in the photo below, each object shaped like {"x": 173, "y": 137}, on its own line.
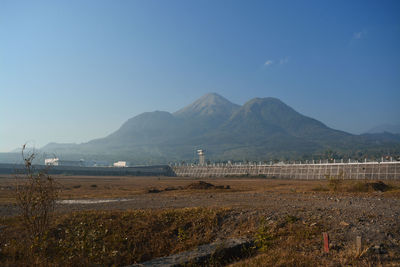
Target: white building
{"x": 120, "y": 164}
{"x": 58, "y": 162}
{"x": 51, "y": 161}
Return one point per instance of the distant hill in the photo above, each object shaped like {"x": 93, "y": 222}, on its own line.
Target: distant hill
{"x": 261, "y": 129}
{"x": 389, "y": 128}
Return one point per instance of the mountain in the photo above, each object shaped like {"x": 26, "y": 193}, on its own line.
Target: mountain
{"x": 267, "y": 127}
{"x": 389, "y": 128}
{"x": 272, "y": 116}
{"x": 261, "y": 129}
{"x": 209, "y": 106}
{"x": 205, "y": 114}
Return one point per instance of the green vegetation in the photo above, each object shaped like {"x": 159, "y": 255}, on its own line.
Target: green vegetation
{"x": 263, "y": 237}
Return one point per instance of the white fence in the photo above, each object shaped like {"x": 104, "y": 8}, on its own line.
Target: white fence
{"x": 315, "y": 171}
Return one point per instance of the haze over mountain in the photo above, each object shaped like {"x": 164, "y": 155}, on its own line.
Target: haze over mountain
{"x": 261, "y": 129}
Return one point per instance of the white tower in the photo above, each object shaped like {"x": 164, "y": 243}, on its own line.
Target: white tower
{"x": 202, "y": 160}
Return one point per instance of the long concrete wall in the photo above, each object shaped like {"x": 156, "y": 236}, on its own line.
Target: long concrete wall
{"x": 163, "y": 170}
{"x": 358, "y": 170}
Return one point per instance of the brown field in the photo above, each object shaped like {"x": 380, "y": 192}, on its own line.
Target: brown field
{"x": 286, "y": 218}
{"x": 98, "y": 187}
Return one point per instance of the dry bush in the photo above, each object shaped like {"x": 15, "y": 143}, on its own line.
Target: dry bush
{"x": 335, "y": 182}
{"x": 36, "y": 195}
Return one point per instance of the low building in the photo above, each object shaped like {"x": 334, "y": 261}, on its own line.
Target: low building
{"x": 51, "y": 162}
{"x": 120, "y": 164}
{"x": 58, "y": 162}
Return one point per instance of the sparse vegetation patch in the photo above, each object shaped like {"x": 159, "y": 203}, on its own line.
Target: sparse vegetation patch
{"x": 200, "y": 185}
{"x": 114, "y": 238}
{"x": 369, "y": 187}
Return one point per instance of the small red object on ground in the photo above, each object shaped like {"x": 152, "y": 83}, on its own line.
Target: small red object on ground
{"x": 326, "y": 242}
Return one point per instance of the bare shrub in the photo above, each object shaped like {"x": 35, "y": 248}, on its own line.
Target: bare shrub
{"x": 36, "y": 195}
{"x": 335, "y": 182}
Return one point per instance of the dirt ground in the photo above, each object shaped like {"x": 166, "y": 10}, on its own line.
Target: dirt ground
{"x": 374, "y": 215}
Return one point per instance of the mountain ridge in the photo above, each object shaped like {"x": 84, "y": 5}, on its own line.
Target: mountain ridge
{"x": 262, "y": 128}
{"x": 211, "y": 104}
{"x": 390, "y": 128}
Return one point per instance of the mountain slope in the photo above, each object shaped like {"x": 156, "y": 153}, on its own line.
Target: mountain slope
{"x": 210, "y": 105}
{"x": 266, "y": 126}
{"x": 205, "y": 114}
{"x": 263, "y": 128}
{"x": 148, "y": 127}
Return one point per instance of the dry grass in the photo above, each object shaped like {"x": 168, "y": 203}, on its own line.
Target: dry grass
{"x": 388, "y": 188}
{"x": 290, "y": 243}
{"x": 113, "y": 237}
{"x": 119, "y": 238}
{"x": 293, "y": 243}
{"x": 87, "y": 187}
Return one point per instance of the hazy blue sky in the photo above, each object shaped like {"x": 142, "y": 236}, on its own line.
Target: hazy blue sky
{"x": 71, "y": 71}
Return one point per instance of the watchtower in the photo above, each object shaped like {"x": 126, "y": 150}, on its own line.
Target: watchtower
{"x": 202, "y": 159}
